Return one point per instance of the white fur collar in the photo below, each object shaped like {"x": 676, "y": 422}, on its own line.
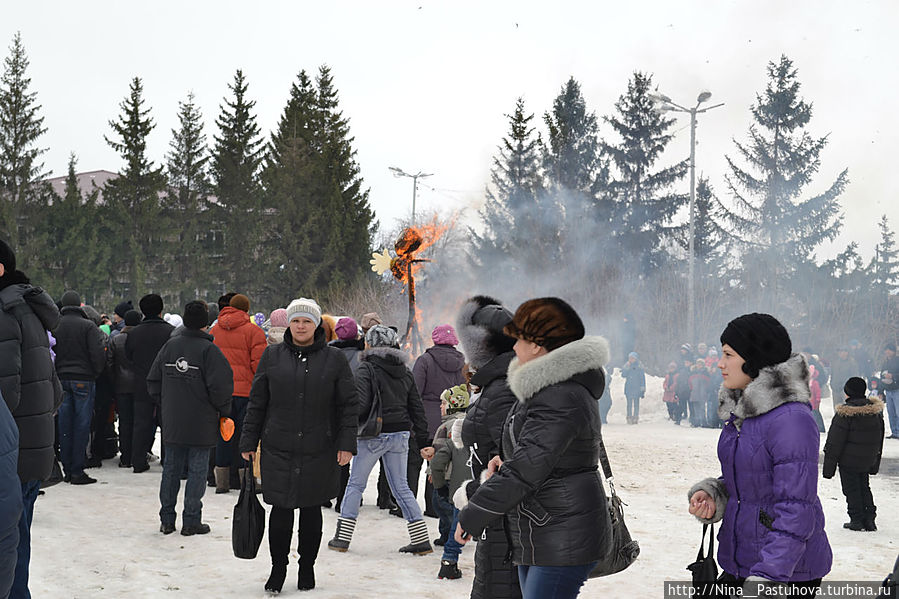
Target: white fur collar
{"x": 589, "y": 353}
{"x": 773, "y": 387}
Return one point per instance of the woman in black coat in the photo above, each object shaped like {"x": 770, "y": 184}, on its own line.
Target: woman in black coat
{"x": 303, "y": 409}
{"x": 546, "y": 482}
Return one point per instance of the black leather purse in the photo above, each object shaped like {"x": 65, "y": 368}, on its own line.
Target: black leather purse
{"x": 704, "y": 569}
{"x": 624, "y": 550}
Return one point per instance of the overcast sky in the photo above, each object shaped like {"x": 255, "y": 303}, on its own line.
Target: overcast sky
{"x": 427, "y": 85}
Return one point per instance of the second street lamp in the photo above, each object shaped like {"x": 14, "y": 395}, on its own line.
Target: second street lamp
{"x": 398, "y": 172}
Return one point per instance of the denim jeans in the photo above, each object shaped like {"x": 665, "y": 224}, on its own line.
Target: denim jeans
{"x": 892, "y": 401}
{"x": 392, "y": 449}
{"x": 75, "y": 414}
{"x": 197, "y": 460}
{"x": 23, "y": 552}
{"x": 452, "y": 549}
{"x": 444, "y": 509}
{"x": 552, "y": 582}
{"x": 226, "y": 452}
{"x": 633, "y": 407}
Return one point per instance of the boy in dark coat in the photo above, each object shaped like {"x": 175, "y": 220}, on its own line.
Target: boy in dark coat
{"x": 855, "y": 442}
{"x": 193, "y": 381}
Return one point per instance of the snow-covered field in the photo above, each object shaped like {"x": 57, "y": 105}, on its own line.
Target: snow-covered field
{"x": 102, "y": 540}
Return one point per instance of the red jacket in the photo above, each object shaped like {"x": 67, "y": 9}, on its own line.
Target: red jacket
{"x": 242, "y": 342}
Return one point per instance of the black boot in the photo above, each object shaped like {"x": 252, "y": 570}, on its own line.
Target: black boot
{"x": 854, "y": 524}
{"x": 449, "y": 570}
{"x": 276, "y": 579}
{"x": 306, "y": 578}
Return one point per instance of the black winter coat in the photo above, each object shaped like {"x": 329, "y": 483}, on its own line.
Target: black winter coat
{"x": 549, "y": 485}
{"x": 855, "y": 439}
{"x": 120, "y": 366}
{"x": 482, "y": 429}
{"x": 10, "y": 498}
{"x": 143, "y": 343}
{"x": 436, "y": 370}
{"x": 352, "y": 349}
{"x": 28, "y": 380}
{"x": 192, "y": 381}
{"x": 401, "y": 408}
{"x": 303, "y": 409}
{"x": 80, "y": 346}
{"x": 892, "y": 366}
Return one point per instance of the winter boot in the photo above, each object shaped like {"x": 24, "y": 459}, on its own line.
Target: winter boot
{"x": 276, "y": 579}
{"x": 221, "y": 480}
{"x": 418, "y": 535}
{"x": 343, "y": 535}
{"x": 449, "y": 570}
{"x": 854, "y": 524}
{"x": 306, "y": 577}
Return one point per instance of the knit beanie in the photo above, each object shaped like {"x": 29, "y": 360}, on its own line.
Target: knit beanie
{"x": 278, "y": 318}
{"x": 547, "y": 321}
{"x": 70, "y": 298}
{"x": 150, "y": 305}
{"x": 634, "y": 355}
{"x": 456, "y": 398}
{"x": 122, "y": 308}
{"x": 369, "y": 320}
{"x": 196, "y": 315}
{"x": 174, "y": 319}
{"x": 347, "y": 329}
{"x": 240, "y": 302}
{"x": 304, "y": 308}
{"x": 444, "y": 335}
{"x": 855, "y": 387}
{"x": 132, "y": 318}
{"x": 381, "y": 336}
{"x": 759, "y": 339}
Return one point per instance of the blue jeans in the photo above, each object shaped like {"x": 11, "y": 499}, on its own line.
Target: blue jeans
{"x": 552, "y": 582}
{"x": 23, "y": 552}
{"x": 892, "y": 401}
{"x": 75, "y": 414}
{"x": 197, "y": 461}
{"x": 452, "y": 549}
{"x": 392, "y": 449}
{"x": 444, "y": 509}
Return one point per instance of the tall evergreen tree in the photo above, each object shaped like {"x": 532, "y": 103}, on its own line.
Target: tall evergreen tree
{"x": 236, "y": 160}
{"x": 884, "y": 267}
{"x": 133, "y": 199}
{"x": 21, "y": 172}
{"x": 778, "y": 227}
{"x": 644, "y": 200}
{"x": 572, "y": 156}
{"x": 187, "y": 203}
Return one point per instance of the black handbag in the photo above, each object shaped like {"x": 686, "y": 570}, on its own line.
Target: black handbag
{"x": 370, "y": 427}
{"x": 624, "y": 549}
{"x": 704, "y": 569}
{"x": 248, "y": 521}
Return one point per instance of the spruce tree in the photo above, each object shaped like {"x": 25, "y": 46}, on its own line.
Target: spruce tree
{"x": 22, "y": 195}
{"x": 778, "y": 227}
{"x": 644, "y": 200}
{"x": 133, "y": 200}
{"x": 572, "y": 156}
{"x": 884, "y": 267}
{"x": 236, "y": 160}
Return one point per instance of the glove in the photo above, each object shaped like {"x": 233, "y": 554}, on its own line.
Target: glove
{"x": 380, "y": 263}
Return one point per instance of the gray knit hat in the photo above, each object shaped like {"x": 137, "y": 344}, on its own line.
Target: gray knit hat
{"x": 381, "y": 336}
{"x": 304, "y": 308}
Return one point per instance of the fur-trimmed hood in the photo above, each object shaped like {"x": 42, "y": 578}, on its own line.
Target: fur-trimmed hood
{"x": 577, "y": 357}
{"x": 773, "y": 387}
{"x": 479, "y": 343}
{"x": 872, "y": 407}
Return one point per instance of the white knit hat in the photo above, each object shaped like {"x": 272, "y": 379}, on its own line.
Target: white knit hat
{"x": 304, "y": 308}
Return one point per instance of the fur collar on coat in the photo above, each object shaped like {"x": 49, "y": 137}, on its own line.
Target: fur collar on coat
{"x": 526, "y": 380}
{"x": 873, "y": 407}
{"x": 773, "y": 387}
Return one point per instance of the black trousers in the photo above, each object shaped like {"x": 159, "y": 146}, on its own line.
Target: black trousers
{"x": 413, "y": 475}
{"x": 344, "y": 479}
{"x": 102, "y": 430}
{"x": 309, "y": 533}
{"x": 144, "y": 432}
{"x": 125, "y": 406}
{"x": 857, "y": 489}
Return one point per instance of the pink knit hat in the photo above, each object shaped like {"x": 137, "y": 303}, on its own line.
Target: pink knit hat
{"x": 346, "y": 329}
{"x": 444, "y": 335}
{"x": 278, "y": 318}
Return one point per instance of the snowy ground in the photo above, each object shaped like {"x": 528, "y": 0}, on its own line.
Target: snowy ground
{"x": 102, "y": 540}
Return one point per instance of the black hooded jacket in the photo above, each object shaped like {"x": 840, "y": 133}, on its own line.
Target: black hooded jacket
{"x": 80, "y": 346}
{"x": 482, "y": 428}
{"x": 143, "y": 343}
{"x": 855, "y": 439}
{"x": 385, "y": 369}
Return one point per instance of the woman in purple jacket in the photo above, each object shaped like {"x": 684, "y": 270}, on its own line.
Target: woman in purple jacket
{"x": 772, "y": 524}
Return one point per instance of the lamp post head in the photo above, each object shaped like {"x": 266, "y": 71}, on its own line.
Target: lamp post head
{"x": 398, "y": 172}
{"x": 703, "y": 96}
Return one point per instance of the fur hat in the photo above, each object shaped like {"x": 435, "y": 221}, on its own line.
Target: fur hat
{"x": 457, "y": 398}
{"x": 304, "y": 308}
{"x": 855, "y": 387}
{"x": 150, "y": 305}
{"x": 547, "y": 321}
{"x": 278, "y": 318}
{"x": 759, "y": 339}
{"x": 381, "y": 336}
{"x": 444, "y": 334}
{"x": 369, "y": 320}
{"x": 329, "y": 324}
{"x": 70, "y": 298}
{"x": 122, "y": 308}
{"x": 240, "y": 302}
{"x": 196, "y": 315}
{"x": 480, "y": 327}
{"x": 346, "y": 329}
{"x": 132, "y": 318}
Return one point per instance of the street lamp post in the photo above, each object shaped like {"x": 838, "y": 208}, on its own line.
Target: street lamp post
{"x": 398, "y": 172}
{"x": 666, "y": 104}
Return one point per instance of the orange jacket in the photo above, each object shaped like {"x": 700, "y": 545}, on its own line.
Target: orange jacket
{"x": 242, "y": 342}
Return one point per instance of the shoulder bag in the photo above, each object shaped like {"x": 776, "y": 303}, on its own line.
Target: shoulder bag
{"x": 370, "y": 423}
{"x": 624, "y": 550}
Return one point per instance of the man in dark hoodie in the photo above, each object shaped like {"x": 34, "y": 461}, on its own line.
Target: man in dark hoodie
{"x": 192, "y": 381}
{"x": 80, "y": 359}
{"x": 141, "y": 347}
{"x": 30, "y": 389}
{"x": 439, "y": 368}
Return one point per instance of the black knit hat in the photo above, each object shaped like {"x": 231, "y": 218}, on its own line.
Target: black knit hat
{"x": 759, "y": 339}
{"x": 132, "y": 318}
{"x": 196, "y": 315}
{"x": 549, "y": 322}
{"x": 70, "y": 298}
{"x": 151, "y": 304}
{"x": 123, "y": 308}
{"x": 855, "y": 387}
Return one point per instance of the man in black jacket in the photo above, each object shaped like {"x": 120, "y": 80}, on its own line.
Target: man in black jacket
{"x": 193, "y": 382}
{"x": 80, "y": 359}
{"x": 141, "y": 347}
{"x": 30, "y": 389}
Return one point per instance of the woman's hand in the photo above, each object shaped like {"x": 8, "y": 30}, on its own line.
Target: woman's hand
{"x": 702, "y": 505}
{"x": 492, "y": 466}
{"x": 248, "y": 455}
{"x": 461, "y": 536}
{"x": 344, "y": 457}
{"x": 427, "y": 453}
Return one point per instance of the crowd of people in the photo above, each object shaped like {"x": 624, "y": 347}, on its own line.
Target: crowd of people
{"x": 504, "y": 410}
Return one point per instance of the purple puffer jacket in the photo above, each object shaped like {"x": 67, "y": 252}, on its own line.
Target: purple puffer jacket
{"x": 773, "y": 523}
